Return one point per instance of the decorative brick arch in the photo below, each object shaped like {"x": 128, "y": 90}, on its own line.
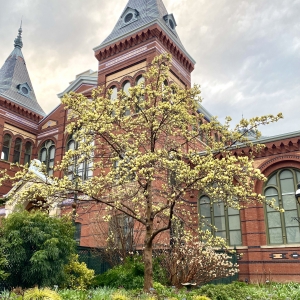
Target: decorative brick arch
{"x": 276, "y": 163}
{"x": 113, "y": 83}
{"x": 127, "y": 78}
{"x": 138, "y": 74}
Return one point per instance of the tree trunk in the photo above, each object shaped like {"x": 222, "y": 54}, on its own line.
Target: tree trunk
{"x": 148, "y": 276}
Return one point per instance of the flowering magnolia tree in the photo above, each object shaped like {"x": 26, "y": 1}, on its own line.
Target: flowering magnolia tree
{"x": 147, "y": 156}
{"x": 193, "y": 258}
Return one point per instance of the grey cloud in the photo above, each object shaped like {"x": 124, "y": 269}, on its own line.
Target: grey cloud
{"x": 247, "y": 52}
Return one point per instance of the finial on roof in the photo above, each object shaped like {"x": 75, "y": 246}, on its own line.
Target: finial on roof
{"x": 18, "y": 39}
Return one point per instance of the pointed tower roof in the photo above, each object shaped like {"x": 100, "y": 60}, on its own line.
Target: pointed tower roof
{"x": 15, "y": 84}
{"x": 139, "y": 14}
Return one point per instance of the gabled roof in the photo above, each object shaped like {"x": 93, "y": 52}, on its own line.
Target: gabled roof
{"x": 15, "y": 83}
{"x": 144, "y": 13}
{"x": 88, "y": 77}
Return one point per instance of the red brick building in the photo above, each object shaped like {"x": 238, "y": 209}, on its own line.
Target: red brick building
{"x": 269, "y": 240}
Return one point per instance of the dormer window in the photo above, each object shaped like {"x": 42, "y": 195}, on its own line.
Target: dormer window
{"x": 130, "y": 15}
{"x": 24, "y": 89}
{"x": 170, "y": 21}
{"x": 171, "y": 24}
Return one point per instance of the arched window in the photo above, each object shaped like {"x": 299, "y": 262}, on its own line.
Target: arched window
{"x": 226, "y": 220}
{"x": 126, "y": 87}
{"x": 283, "y": 228}
{"x": 47, "y": 155}
{"x": 17, "y": 150}
{"x": 140, "y": 81}
{"x": 28, "y": 150}
{"x": 113, "y": 97}
{"x": 6, "y": 147}
{"x": 83, "y": 170}
{"x": 114, "y": 93}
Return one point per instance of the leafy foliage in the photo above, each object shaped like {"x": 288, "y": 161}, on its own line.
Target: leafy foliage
{"x": 37, "y": 247}
{"x": 3, "y": 265}
{"x": 41, "y": 294}
{"x": 77, "y": 275}
{"x": 128, "y": 275}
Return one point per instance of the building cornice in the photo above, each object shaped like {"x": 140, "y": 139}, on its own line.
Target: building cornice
{"x": 152, "y": 30}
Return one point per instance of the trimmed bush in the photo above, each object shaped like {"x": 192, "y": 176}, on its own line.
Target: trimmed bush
{"x": 77, "y": 275}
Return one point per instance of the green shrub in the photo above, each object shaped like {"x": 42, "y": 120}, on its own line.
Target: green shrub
{"x": 129, "y": 275}
{"x": 41, "y": 294}
{"x": 36, "y": 247}
{"x": 77, "y": 275}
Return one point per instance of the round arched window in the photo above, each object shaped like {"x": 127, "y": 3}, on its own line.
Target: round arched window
{"x": 128, "y": 17}
{"x": 25, "y": 90}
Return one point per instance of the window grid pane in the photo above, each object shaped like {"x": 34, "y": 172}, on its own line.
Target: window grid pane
{"x": 226, "y": 223}
{"x": 283, "y": 228}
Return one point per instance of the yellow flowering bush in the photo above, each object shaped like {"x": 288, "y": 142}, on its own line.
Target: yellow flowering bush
{"x": 77, "y": 275}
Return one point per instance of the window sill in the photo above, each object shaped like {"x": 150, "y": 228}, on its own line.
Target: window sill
{"x": 237, "y": 247}
{"x": 280, "y": 246}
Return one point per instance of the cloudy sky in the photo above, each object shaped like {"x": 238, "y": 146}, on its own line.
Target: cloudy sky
{"x": 247, "y": 51}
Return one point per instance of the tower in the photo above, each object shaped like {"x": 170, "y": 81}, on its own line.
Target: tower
{"x": 144, "y": 30}
{"x": 20, "y": 112}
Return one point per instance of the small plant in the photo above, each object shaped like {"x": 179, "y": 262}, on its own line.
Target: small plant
{"x": 119, "y": 296}
{"x": 41, "y": 294}
{"x": 200, "y": 298}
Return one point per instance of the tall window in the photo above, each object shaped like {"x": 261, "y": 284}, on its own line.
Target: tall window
{"x": 47, "y": 155}
{"x": 113, "y": 97}
{"x": 28, "y": 150}
{"x": 17, "y": 150}
{"x": 126, "y": 87}
{"x": 6, "y": 147}
{"x": 226, "y": 220}
{"x": 140, "y": 81}
{"x": 83, "y": 170}
{"x": 283, "y": 228}
{"x": 114, "y": 93}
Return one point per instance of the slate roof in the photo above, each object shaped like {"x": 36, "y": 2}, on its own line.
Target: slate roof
{"x": 14, "y": 76}
{"x": 149, "y": 12}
